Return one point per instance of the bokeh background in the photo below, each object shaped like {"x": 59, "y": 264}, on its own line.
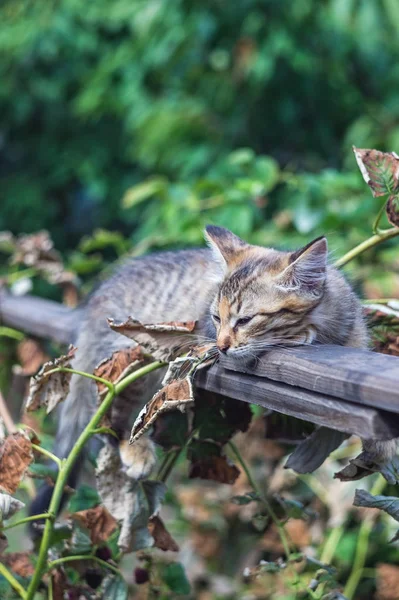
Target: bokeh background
{"x": 151, "y": 119}
{"x": 128, "y": 125}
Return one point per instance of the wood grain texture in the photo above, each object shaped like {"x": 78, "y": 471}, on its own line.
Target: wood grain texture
{"x": 321, "y": 409}
{"x": 43, "y": 318}
{"x": 351, "y": 374}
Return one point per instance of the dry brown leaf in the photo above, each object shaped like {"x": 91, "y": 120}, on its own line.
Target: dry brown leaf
{"x": 98, "y": 521}
{"x": 49, "y": 389}
{"x": 380, "y": 170}
{"x": 162, "y": 538}
{"x": 164, "y": 341}
{"x": 115, "y": 368}
{"x": 15, "y": 457}
{"x": 175, "y": 395}
{"x": 9, "y": 506}
{"x": 387, "y": 582}
{"x": 19, "y": 562}
{"x": 31, "y": 356}
{"x": 392, "y": 210}
{"x": 59, "y": 582}
{"x": 216, "y": 468}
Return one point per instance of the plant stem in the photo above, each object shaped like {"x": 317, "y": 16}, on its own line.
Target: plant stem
{"x": 168, "y": 466}
{"x": 109, "y": 384}
{"x": 331, "y": 544}
{"x": 64, "y": 559}
{"x": 376, "y": 229}
{"x": 68, "y": 463}
{"x": 27, "y": 520}
{"x": 49, "y": 455}
{"x": 372, "y": 241}
{"x": 265, "y": 502}
{"x": 11, "y": 333}
{"x": 12, "y": 581}
{"x": 362, "y": 545}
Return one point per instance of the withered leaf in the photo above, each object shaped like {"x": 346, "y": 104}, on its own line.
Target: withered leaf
{"x": 9, "y": 506}
{"x": 19, "y": 562}
{"x": 389, "y": 504}
{"x": 48, "y": 389}
{"x": 31, "y": 356}
{"x": 164, "y": 341}
{"x": 98, "y": 521}
{"x": 392, "y": 210}
{"x": 363, "y": 465}
{"x": 175, "y": 395}
{"x": 129, "y": 501}
{"x": 207, "y": 462}
{"x": 115, "y": 368}
{"x": 380, "y": 170}
{"x": 15, "y": 457}
{"x": 162, "y": 538}
{"x": 310, "y": 454}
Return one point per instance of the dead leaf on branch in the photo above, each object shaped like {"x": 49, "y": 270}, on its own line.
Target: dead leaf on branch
{"x": 48, "y": 389}
{"x": 380, "y": 170}
{"x": 383, "y": 321}
{"x": 389, "y": 504}
{"x": 363, "y": 466}
{"x": 115, "y": 368}
{"x": 162, "y": 538}
{"x": 392, "y": 210}
{"x": 19, "y": 562}
{"x": 15, "y": 457}
{"x": 177, "y": 395}
{"x": 129, "y": 501}
{"x": 98, "y": 521}
{"x": 164, "y": 341}
{"x": 9, "y": 506}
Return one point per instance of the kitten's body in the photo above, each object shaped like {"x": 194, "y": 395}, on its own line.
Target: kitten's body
{"x": 295, "y": 299}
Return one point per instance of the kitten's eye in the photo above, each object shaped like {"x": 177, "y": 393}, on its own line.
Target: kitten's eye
{"x": 244, "y": 320}
{"x": 216, "y": 318}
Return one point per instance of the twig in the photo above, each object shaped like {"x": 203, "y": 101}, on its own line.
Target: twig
{"x": 68, "y": 463}
{"x": 12, "y": 581}
{"x": 96, "y": 559}
{"x": 27, "y": 520}
{"x": 362, "y": 545}
{"x": 48, "y": 454}
{"x": 263, "y": 499}
{"x": 372, "y": 241}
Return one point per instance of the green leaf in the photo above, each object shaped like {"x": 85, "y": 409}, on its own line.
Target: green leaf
{"x": 174, "y": 576}
{"x": 246, "y": 499}
{"x": 84, "y": 497}
{"x": 115, "y": 588}
{"x": 143, "y": 191}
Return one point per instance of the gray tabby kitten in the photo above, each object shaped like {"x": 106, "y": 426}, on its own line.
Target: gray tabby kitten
{"x": 248, "y": 299}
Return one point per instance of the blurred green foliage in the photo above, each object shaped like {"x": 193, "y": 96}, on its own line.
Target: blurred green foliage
{"x": 193, "y": 112}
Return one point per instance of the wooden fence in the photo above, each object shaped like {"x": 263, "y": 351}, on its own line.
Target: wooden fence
{"x": 354, "y": 391}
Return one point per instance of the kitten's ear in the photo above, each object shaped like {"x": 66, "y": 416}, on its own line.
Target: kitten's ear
{"x": 307, "y": 269}
{"x": 226, "y": 246}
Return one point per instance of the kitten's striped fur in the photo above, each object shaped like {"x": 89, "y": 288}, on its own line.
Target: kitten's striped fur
{"x": 248, "y": 299}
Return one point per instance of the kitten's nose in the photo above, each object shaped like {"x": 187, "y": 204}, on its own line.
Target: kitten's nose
{"x": 223, "y": 347}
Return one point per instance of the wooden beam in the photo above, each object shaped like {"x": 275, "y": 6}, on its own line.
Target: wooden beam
{"x": 43, "y": 318}
{"x": 354, "y": 375}
{"x": 321, "y": 409}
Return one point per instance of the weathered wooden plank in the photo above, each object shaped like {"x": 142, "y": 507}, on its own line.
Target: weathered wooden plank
{"x": 351, "y": 374}
{"x": 40, "y": 317}
{"x": 318, "y": 408}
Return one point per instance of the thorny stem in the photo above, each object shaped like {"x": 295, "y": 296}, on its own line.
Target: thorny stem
{"x": 263, "y": 499}
{"x": 27, "y": 520}
{"x": 12, "y": 581}
{"x": 362, "y": 545}
{"x": 372, "y": 241}
{"x": 49, "y": 455}
{"x": 64, "y": 559}
{"x": 68, "y": 463}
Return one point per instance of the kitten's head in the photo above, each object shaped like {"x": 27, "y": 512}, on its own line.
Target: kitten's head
{"x": 266, "y": 296}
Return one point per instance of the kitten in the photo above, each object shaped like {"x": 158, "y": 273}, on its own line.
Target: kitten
{"x": 248, "y": 299}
